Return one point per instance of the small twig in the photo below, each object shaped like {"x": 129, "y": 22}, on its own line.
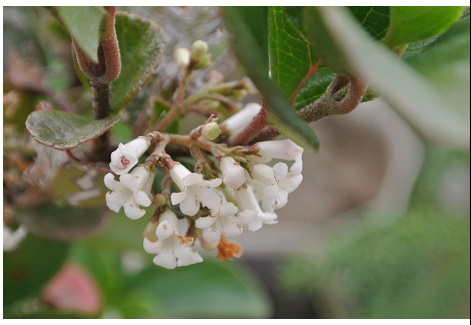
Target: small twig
{"x": 88, "y": 164}
{"x": 176, "y": 108}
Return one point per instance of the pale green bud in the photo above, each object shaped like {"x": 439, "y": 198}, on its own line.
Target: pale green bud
{"x": 211, "y": 131}
{"x": 159, "y": 200}
{"x": 198, "y": 50}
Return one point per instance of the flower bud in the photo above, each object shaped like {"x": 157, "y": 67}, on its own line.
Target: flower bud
{"x": 211, "y": 131}
{"x": 279, "y": 149}
{"x": 182, "y": 56}
{"x": 198, "y": 50}
{"x": 159, "y": 200}
{"x": 240, "y": 119}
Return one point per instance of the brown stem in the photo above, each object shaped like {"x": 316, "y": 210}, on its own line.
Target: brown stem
{"x": 101, "y": 75}
{"x": 176, "y": 109}
{"x": 100, "y": 147}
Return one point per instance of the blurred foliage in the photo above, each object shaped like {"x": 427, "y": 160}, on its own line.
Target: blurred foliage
{"x": 413, "y": 266}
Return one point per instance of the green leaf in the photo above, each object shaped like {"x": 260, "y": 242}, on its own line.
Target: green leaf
{"x": 65, "y": 131}
{"x": 141, "y": 45}
{"x": 65, "y": 223}
{"x": 421, "y": 104}
{"x": 84, "y": 25}
{"x": 206, "y": 290}
{"x": 252, "y": 57}
{"x": 290, "y": 53}
{"x": 323, "y": 42}
{"x": 410, "y": 24}
{"x": 29, "y": 267}
{"x": 374, "y": 20}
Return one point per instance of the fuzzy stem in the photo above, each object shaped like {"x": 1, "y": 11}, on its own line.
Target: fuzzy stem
{"x": 327, "y": 105}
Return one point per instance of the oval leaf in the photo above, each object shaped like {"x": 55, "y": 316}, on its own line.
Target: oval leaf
{"x": 141, "y": 45}
{"x": 84, "y": 25}
{"x": 65, "y": 131}
{"x": 287, "y": 120}
{"x": 410, "y": 24}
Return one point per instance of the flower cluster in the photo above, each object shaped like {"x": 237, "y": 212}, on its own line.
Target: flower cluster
{"x": 236, "y": 189}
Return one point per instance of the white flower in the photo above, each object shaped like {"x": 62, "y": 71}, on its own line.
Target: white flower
{"x": 13, "y": 238}
{"x": 221, "y": 222}
{"x": 240, "y": 119}
{"x": 171, "y": 247}
{"x": 272, "y": 185}
{"x": 194, "y": 190}
{"x": 251, "y": 214}
{"x": 279, "y": 149}
{"x": 130, "y": 192}
{"x": 233, "y": 174}
{"x": 126, "y": 156}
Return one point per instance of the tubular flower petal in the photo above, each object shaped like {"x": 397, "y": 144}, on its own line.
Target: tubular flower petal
{"x": 130, "y": 192}
{"x": 194, "y": 190}
{"x": 171, "y": 247}
{"x": 240, "y": 119}
{"x": 279, "y": 149}
{"x": 233, "y": 174}
{"x": 126, "y": 156}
